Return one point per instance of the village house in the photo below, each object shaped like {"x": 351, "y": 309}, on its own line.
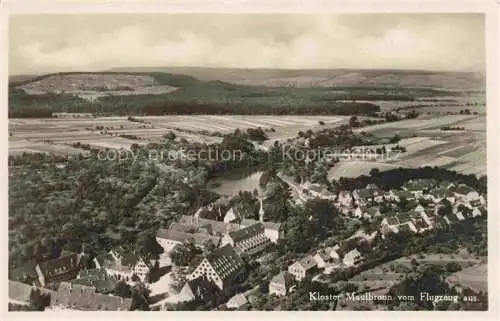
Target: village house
{"x": 325, "y": 258}
{"x": 123, "y": 266}
{"x": 272, "y": 231}
{"x": 316, "y": 190}
{"x": 352, "y": 258}
{"x": 97, "y": 278}
{"x": 345, "y": 199}
{"x": 393, "y": 222}
{"x": 333, "y": 251}
{"x": 85, "y": 298}
{"x": 238, "y": 212}
{"x": 282, "y": 284}
{"x": 249, "y": 240}
{"x": 180, "y": 233}
{"x": 302, "y": 268}
{"x": 64, "y": 268}
{"x": 399, "y": 195}
{"x": 223, "y": 267}
{"x": 362, "y": 196}
{"x": 200, "y": 289}
{"x": 435, "y": 195}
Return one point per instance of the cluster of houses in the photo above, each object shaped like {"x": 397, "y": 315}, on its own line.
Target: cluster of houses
{"x": 425, "y": 199}
{"x": 84, "y": 284}
{"x": 248, "y": 236}
{"x": 74, "y": 282}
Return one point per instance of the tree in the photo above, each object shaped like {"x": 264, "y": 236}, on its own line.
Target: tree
{"x": 170, "y": 135}
{"x": 140, "y": 297}
{"x": 148, "y": 246}
{"x": 122, "y": 289}
{"x": 184, "y": 253}
{"x": 453, "y": 267}
{"x": 178, "y": 278}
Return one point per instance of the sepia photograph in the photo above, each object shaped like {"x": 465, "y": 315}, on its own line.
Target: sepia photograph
{"x": 247, "y": 162}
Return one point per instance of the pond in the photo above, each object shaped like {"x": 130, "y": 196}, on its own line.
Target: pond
{"x": 231, "y": 182}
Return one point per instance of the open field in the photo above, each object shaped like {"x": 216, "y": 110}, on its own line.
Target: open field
{"x": 42, "y": 135}
{"x": 92, "y": 86}
{"x": 427, "y": 145}
{"x": 474, "y": 277}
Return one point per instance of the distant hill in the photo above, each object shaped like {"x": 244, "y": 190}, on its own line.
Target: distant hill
{"x": 474, "y": 81}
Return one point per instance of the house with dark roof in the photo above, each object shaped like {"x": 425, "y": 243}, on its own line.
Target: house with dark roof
{"x": 282, "y": 284}
{"x": 303, "y": 267}
{"x": 199, "y": 289}
{"x": 238, "y": 212}
{"x": 250, "y": 240}
{"x": 64, "y": 268}
{"x": 362, "y": 196}
{"x": 272, "y": 230}
{"x": 223, "y": 266}
{"x": 97, "y": 278}
{"x": 84, "y": 298}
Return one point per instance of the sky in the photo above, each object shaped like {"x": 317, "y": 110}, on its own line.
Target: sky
{"x": 50, "y": 43}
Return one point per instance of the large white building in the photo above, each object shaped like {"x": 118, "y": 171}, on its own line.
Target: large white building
{"x": 223, "y": 267}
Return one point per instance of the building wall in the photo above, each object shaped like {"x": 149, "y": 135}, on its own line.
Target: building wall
{"x": 277, "y": 289}
{"x": 142, "y": 270}
{"x": 205, "y": 268}
{"x": 272, "y": 234}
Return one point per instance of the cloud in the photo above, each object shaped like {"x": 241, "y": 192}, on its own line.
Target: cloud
{"x": 289, "y": 41}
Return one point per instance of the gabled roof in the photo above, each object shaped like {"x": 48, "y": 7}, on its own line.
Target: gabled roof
{"x": 217, "y": 226}
{"x": 247, "y": 232}
{"x": 404, "y": 228}
{"x": 307, "y": 262}
{"x": 201, "y": 287}
{"x": 438, "y": 192}
{"x": 283, "y": 278}
{"x": 421, "y": 224}
{"x": 226, "y": 262}
{"x": 267, "y": 225}
{"x": 182, "y": 227}
{"x": 63, "y": 265}
{"x": 198, "y": 238}
{"x": 84, "y": 298}
{"x": 19, "y": 291}
{"x": 323, "y": 255}
{"x": 352, "y": 254}
{"x": 463, "y": 190}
